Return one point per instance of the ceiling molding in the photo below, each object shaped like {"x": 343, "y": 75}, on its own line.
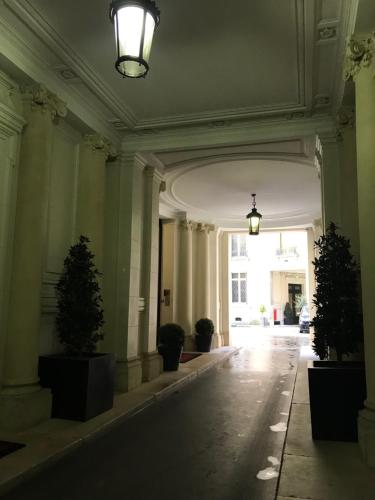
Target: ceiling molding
{"x": 20, "y": 52}
{"x": 223, "y": 114}
{"x": 126, "y": 118}
{"x": 40, "y": 27}
{"x": 243, "y": 132}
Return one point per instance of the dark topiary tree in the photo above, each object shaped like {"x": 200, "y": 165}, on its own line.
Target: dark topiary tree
{"x": 204, "y": 326}
{"x": 338, "y": 319}
{"x": 80, "y": 314}
{"x": 288, "y": 314}
{"x": 171, "y": 335}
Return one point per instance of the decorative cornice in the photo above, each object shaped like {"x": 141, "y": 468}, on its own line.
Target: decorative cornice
{"x": 360, "y": 53}
{"x": 39, "y": 97}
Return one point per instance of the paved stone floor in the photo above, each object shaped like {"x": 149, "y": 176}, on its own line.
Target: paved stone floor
{"x": 208, "y": 441}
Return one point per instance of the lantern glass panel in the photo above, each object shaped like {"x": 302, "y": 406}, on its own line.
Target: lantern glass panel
{"x": 254, "y": 224}
{"x": 149, "y": 33}
{"x": 130, "y": 25}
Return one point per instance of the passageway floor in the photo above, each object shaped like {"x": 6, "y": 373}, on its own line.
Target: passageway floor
{"x": 208, "y": 440}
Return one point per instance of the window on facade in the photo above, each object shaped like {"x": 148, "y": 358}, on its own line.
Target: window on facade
{"x": 239, "y": 245}
{"x": 239, "y": 287}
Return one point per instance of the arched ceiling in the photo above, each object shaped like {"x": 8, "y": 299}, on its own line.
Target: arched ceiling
{"x": 217, "y": 187}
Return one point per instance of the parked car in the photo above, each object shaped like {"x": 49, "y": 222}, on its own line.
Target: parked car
{"x": 304, "y": 320}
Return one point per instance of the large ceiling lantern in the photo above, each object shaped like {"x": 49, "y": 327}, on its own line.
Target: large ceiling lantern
{"x": 135, "y": 22}
{"x": 254, "y": 219}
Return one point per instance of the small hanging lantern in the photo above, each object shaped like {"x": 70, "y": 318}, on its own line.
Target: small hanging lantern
{"x": 254, "y": 219}
{"x": 135, "y": 22}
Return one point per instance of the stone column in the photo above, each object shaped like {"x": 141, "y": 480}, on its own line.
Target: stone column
{"x": 224, "y": 286}
{"x": 310, "y": 276}
{"x": 202, "y": 281}
{"x": 169, "y": 274}
{"x": 214, "y": 286}
{"x": 23, "y": 403}
{"x": 330, "y": 179}
{"x": 151, "y": 360}
{"x": 122, "y": 264}
{"x": 185, "y": 282}
{"x": 94, "y": 151}
{"x": 348, "y": 180}
{"x": 361, "y": 67}
{"x": 12, "y": 123}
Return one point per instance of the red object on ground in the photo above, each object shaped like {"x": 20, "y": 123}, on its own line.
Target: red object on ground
{"x": 274, "y": 314}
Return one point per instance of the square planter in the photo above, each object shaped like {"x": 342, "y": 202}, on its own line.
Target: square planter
{"x": 82, "y": 386}
{"x": 337, "y": 392}
{"x": 203, "y": 343}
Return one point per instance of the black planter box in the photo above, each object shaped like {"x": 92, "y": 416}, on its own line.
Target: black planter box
{"x": 203, "y": 343}
{"x": 171, "y": 356}
{"x": 337, "y": 392}
{"x": 82, "y": 386}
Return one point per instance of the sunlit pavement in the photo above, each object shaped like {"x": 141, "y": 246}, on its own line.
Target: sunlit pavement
{"x": 253, "y": 336}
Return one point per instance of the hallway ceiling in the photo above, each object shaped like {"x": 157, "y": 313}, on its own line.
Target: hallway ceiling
{"x": 210, "y": 60}
{"x": 215, "y": 65}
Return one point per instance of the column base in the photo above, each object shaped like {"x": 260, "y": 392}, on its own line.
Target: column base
{"x": 128, "y": 375}
{"x": 217, "y": 340}
{"x": 22, "y": 410}
{"x": 189, "y": 343}
{"x": 366, "y": 435}
{"x": 152, "y": 366}
{"x": 225, "y": 338}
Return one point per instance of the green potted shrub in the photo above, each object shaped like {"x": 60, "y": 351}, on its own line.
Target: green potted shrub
{"x": 288, "y": 314}
{"x": 204, "y": 329}
{"x": 263, "y": 310}
{"x": 81, "y": 380}
{"x": 337, "y": 387}
{"x": 170, "y": 344}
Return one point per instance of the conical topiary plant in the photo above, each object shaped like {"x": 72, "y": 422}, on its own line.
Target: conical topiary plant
{"x": 288, "y": 314}
{"x": 80, "y": 314}
{"x": 338, "y": 319}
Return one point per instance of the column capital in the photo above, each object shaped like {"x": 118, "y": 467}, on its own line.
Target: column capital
{"x": 345, "y": 117}
{"x": 186, "y": 224}
{"x": 204, "y": 228}
{"x": 359, "y": 54}
{"x": 99, "y": 143}
{"x": 38, "y": 97}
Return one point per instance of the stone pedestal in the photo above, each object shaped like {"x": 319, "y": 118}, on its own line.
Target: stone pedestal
{"x": 152, "y": 365}
{"x": 128, "y": 374}
{"x": 361, "y": 67}
{"x": 21, "y": 398}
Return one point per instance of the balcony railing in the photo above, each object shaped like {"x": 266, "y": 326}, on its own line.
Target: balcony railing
{"x": 287, "y": 252}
